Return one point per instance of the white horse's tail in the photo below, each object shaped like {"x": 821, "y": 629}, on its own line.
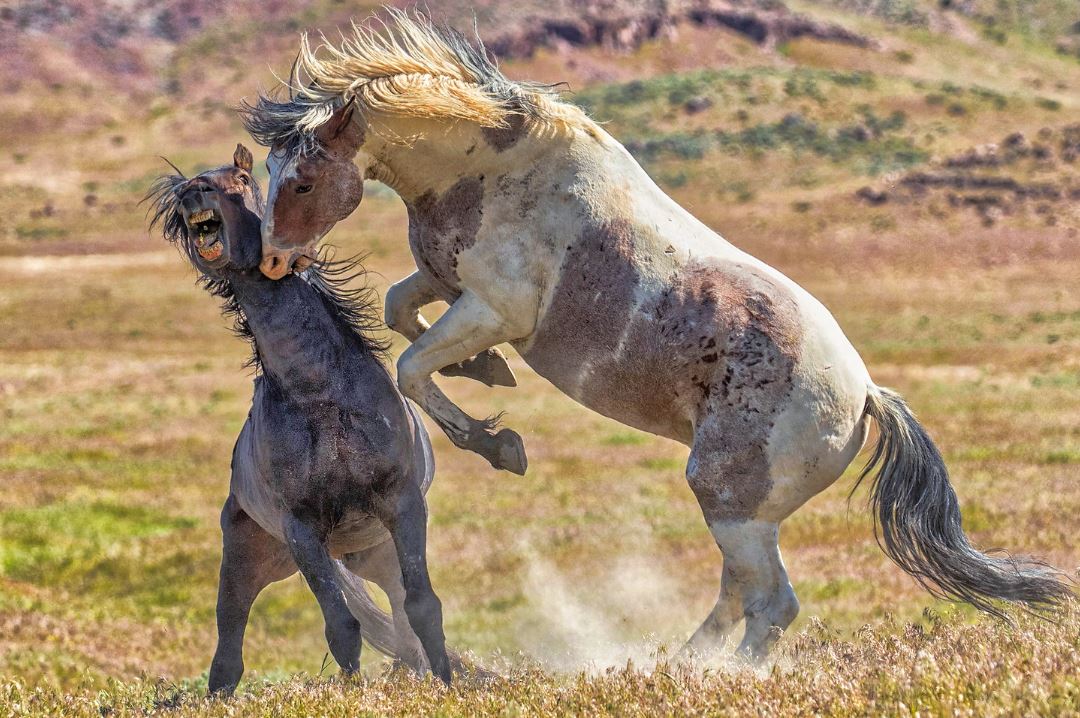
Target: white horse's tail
{"x": 917, "y": 521}
{"x": 377, "y": 626}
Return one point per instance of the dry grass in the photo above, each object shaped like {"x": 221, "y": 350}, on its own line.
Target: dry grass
{"x": 946, "y": 668}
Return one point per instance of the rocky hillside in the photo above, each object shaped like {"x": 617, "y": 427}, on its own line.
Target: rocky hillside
{"x": 749, "y": 110}
{"x": 132, "y": 44}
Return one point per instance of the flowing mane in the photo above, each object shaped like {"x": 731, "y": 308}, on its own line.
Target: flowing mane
{"x": 357, "y": 306}
{"x": 412, "y": 67}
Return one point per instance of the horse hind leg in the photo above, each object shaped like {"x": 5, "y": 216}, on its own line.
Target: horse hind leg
{"x": 754, "y": 587}
{"x": 342, "y": 628}
{"x": 727, "y": 612}
{"x": 731, "y": 484}
{"x": 769, "y": 604}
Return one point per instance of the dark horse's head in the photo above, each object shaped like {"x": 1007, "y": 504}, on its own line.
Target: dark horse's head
{"x": 214, "y": 217}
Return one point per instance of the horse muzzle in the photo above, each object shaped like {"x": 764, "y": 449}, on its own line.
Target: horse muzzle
{"x": 276, "y": 263}
{"x": 204, "y": 222}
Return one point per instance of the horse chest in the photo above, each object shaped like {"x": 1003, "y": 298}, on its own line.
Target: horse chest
{"x": 441, "y": 227}
{"x": 312, "y": 454}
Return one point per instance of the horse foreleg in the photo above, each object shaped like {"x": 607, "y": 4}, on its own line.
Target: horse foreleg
{"x": 379, "y": 564}
{"x": 405, "y": 517}
{"x": 469, "y": 327}
{"x": 342, "y": 628}
{"x": 403, "y": 303}
{"x": 251, "y": 560}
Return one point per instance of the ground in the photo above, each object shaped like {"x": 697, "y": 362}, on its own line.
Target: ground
{"x": 121, "y": 391}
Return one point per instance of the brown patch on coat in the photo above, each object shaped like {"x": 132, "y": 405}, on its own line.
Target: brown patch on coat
{"x": 442, "y": 227}
{"x": 597, "y": 287}
{"x": 501, "y": 139}
{"x": 707, "y": 359}
{"x": 749, "y": 384}
{"x": 592, "y": 313}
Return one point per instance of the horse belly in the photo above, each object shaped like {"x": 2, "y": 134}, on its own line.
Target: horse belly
{"x": 597, "y": 340}
{"x": 628, "y": 381}
{"x": 658, "y": 354}
{"x": 356, "y": 531}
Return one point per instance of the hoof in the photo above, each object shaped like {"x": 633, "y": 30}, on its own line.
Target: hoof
{"x": 504, "y": 450}
{"x": 498, "y": 372}
{"x": 512, "y": 456}
{"x": 488, "y": 367}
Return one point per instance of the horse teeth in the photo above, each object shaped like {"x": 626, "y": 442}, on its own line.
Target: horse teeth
{"x": 200, "y": 216}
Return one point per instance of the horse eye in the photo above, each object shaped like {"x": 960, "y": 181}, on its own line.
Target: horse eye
{"x": 245, "y": 180}
{"x": 303, "y": 189}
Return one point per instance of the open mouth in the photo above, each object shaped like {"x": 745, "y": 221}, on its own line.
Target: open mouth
{"x": 206, "y": 227}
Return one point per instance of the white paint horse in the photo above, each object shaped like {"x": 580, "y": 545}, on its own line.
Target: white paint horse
{"x": 542, "y": 231}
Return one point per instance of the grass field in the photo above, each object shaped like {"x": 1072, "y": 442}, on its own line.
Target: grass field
{"x": 121, "y": 392}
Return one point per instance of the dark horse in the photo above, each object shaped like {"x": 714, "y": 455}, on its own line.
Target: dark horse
{"x": 331, "y": 466}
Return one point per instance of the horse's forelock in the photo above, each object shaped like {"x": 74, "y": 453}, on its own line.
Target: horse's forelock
{"x": 285, "y": 124}
{"x": 164, "y": 210}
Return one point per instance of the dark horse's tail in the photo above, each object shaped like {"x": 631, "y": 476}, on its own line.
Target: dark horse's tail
{"x": 917, "y": 519}
{"x": 377, "y": 626}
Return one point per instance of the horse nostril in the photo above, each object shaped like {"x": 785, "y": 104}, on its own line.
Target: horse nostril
{"x": 273, "y": 266}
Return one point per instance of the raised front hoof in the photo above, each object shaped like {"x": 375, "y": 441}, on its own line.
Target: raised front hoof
{"x": 505, "y": 450}
{"x": 488, "y": 367}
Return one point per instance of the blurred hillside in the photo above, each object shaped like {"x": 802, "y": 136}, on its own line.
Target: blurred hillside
{"x": 750, "y": 111}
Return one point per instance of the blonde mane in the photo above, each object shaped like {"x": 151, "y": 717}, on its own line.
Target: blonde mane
{"x": 410, "y": 67}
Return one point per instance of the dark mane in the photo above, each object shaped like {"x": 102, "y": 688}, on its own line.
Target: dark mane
{"x": 356, "y": 307}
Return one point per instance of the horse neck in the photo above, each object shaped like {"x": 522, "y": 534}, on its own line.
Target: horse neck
{"x": 414, "y": 156}
{"x": 298, "y": 339}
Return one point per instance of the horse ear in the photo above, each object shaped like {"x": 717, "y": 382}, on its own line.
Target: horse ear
{"x": 339, "y": 132}
{"x": 242, "y": 158}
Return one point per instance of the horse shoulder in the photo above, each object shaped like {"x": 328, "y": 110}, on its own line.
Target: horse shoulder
{"x": 250, "y": 482}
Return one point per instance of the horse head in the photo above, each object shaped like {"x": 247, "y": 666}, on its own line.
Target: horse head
{"x": 214, "y": 217}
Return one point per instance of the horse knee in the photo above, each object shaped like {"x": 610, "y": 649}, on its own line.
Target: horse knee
{"x": 396, "y": 307}
{"x": 424, "y": 610}
{"x": 411, "y": 377}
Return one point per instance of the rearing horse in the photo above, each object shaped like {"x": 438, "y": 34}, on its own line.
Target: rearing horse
{"x": 539, "y": 229}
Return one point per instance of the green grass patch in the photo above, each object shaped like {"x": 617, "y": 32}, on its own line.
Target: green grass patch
{"x": 73, "y": 543}
{"x": 625, "y": 438}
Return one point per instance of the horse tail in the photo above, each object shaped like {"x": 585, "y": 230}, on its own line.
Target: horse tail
{"x": 917, "y": 521}
{"x": 376, "y": 625}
